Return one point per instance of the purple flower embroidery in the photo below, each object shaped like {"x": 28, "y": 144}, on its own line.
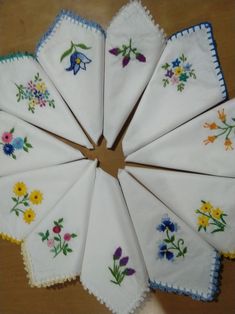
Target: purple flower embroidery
{"x": 169, "y": 73}
{"x": 128, "y": 53}
{"x": 118, "y": 271}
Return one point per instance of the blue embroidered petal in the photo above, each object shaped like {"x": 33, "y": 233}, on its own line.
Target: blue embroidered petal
{"x": 176, "y": 63}
{"x": 169, "y": 255}
{"x": 83, "y": 66}
{"x": 83, "y": 58}
{"x": 76, "y": 68}
{"x": 8, "y": 149}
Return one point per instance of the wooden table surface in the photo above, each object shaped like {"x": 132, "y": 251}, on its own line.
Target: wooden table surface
{"x": 22, "y": 22}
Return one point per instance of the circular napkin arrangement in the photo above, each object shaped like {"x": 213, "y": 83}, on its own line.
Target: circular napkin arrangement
{"x": 161, "y": 227}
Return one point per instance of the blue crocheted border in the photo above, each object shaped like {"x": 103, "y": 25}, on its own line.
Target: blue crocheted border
{"x": 67, "y": 14}
{"x": 16, "y": 55}
{"x": 214, "y": 51}
{"x": 212, "y": 290}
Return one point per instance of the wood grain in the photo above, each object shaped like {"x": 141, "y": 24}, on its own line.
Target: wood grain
{"x": 22, "y": 22}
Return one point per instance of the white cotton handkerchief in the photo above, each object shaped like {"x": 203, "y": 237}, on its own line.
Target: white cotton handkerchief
{"x": 113, "y": 268}
{"x": 187, "y": 81}
{"x": 28, "y": 197}
{"x": 204, "y": 144}
{"x": 28, "y": 93}
{"x": 177, "y": 259}
{"x": 133, "y": 47}
{"x": 24, "y": 147}
{"x": 205, "y": 203}
{"x": 53, "y": 251}
{"x": 72, "y": 54}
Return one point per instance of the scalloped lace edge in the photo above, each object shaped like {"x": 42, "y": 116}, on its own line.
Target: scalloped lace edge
{"x": 9, "y": 238}
{"x": 16, "y": 56}
{"x": 132, "y": 308}
{"x": 147, "y": 14}
{"x": 46, "y": 283}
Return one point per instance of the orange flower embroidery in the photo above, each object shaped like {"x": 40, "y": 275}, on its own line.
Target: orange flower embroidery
{"x": 210, "y": 139}
{"x": 225, "y": 128}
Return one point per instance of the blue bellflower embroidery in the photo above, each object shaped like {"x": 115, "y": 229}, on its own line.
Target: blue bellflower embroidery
{"x": 78, "y": 61}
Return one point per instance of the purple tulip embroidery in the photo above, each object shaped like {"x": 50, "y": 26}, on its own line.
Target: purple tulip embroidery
{"x": 119, "y": 270}
{"x": 128, "y": 53}
{"x": 78, "y": 60}
{"x": 178, "y": 72}
{"x": 10, "y": 144}
{"x": 170, "y": 248}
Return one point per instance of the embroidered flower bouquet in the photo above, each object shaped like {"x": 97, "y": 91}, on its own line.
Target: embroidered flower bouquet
{"x": 151, "y": 227}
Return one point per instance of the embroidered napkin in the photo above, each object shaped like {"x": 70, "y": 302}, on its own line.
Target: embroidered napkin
{"x": 113, "y": 268}
{"x": 72, "y": 53}
{"x": 24, "y": 147}
{"x": 177, "y": 259}
{"x": 205, "y": 203}
{"x": 53, "y": 251}
{"x": 205, "y": 144}
{"x": 27, "y": 197}
{"x": 27, "y": 93}
{"x": 133, "y": 47}
{"x": 187, "y": 81}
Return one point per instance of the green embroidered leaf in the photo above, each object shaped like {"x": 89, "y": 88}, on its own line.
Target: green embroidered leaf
{"x": 56, "y": 223}
{"x": 65, "y": 252}
{"x": 183, "y": 58}
{"x": 17, "y": 213}
{"x": 25, "y": 149}
{"x": 167, "y": 241}
{"x": 111, "y": 271}
{"x": 12, "y": 130}
{"x": 29, "y": 145}
{"x": 199, "y": 228}
{"x": 172, "y": 238}
{"x": 180, "y": 87}
{"x": 222, "y": 219}
{"x": 165, "y": 66}
{"x": 73, "y": 235}
{"x": 185, "y": 250}
{"x": 26, "y": 204}
{"x": 14, "y": 199}
{"x": 203, "y": 201}
{"x": 47, "y": 233}
{"x": 41, "y": 234}
{"x": 69, "y": 250}
{"x": 66, "y": 53}
{"x": 83, "y": 46}
{"x": 216, "y": 230}
{"x": 13, "y": 156}
{"x": 57, "y": 238}
{"x": 233, "y": 119}
{"x": 60, "y": 220}
{"x": 165, "y": 82}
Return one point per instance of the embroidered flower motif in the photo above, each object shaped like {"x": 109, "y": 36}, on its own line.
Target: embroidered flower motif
{"x": 128, "y": 53}
{"x": 78, "y": 60}
{"x": 10, "y": 144}
{"x": 36, "y": 93}
{"x": 170, "y": 245}
{"x": 178, "y": 73}
{"x": 210, "y": 217}
{"x": 225, "y": 129}
{"x": 23, "y": 200}
{"x": 58, "y": 243}
{"x": 119, "y": 270}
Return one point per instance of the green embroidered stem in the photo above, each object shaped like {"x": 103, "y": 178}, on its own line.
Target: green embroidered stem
{"x": 72, "y": 49}
{"x": 24, "y": 202}
{"x": 117, "y": 274}
{"x": 181, "y": 250}
{"x": 219, "y": 224}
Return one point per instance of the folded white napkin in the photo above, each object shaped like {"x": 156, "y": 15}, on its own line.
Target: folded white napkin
{"x": 113, "y": 268}
{"x": 72, "y": 54}
{"x": 205, "y": 203}
{"x": 177, "y": 259}
{"x": 27, "y": 197}
{"x": 28, "y": 93}
{"x": 206, "y": 144}
{"x": 53, "y": 251}
{"x": 24, "y": 147}
{"x": 187, "y": 81}
{"x": 133, "y": 46}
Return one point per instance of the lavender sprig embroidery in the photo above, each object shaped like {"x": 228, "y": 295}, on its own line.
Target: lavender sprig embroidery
{"x": 119, "y": 270}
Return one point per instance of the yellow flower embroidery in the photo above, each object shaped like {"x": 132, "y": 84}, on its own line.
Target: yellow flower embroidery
{"x": 178, "y": 71}
{"x": 41, "y": 87}
{"x": 222, "y": 115}
{"x": 211, "y": 126}
{"x": 228, "y": 144}
{"x": 203, "y": 221}
{"x": 210, "y": 139}
{"x": 29, "y": 216}
{"x": 216, "y": 213}
{"x": 206, "y": 207}
{"x": 36, "y": 197}
{"x": 20, "y": 189}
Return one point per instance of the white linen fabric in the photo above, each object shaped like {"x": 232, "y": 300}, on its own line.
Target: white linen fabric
{"x": 187, "y": 81}
{"x": 133, "y": 47}
{"x": 204, "y": 144}
{"x": 72, "y": 54}
{"x": 24, "y": 147}
{"x": 177, "y": 259}
{"x": 199, "y": 200}
{"x": 28, "y": 93}
{"x": 112, "y": 248}
{"x": 53, "y": 251}
{"x": 28, "y": 197}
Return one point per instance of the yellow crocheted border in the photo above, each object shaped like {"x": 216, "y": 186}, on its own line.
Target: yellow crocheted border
{"x": 11, "y": 239}
{"x": 230, "y": 255}
{"x": 47, "y": 283}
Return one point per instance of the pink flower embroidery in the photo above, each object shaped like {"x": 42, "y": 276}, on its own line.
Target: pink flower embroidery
{"x": 50, "y": 243}
{"x": 67, "y": 237}
{"x": 174, "y": 80}
{"x": 6, "y": 137}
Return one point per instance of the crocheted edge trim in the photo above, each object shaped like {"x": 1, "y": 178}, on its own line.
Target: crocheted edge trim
{"x": 214, "y": 51}
{"x": 42, "y": 284}
{"x": 16, "y": 56}
{"x": 132, "y": 308}
{"x": 69, "y": 15}
{"x": 196, "y": 295}
{"x": 9, "y": 238}
{"x": 230, "y": 255}
{"x": 147, "y": 14}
